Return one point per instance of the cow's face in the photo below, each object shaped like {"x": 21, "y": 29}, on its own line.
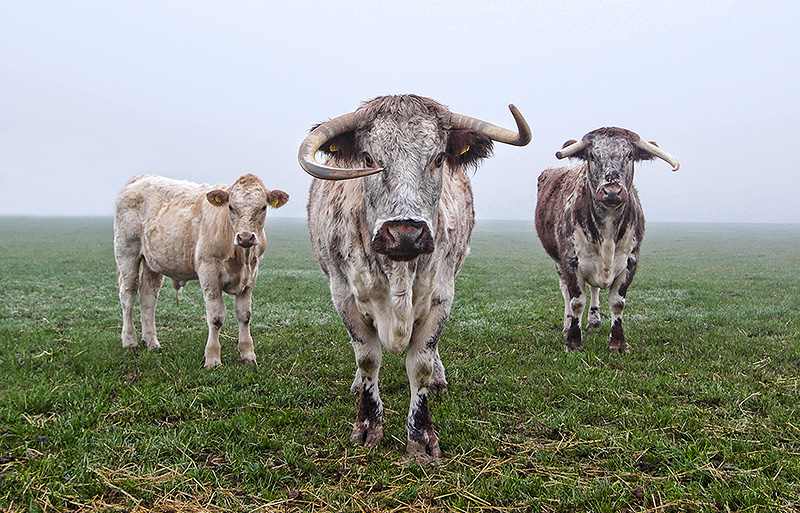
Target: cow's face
{"x": 411, "y": 139}
{"x": 402, "y": 200}
{"x": 247, "y": 201}
{"x": 610, "y": 155}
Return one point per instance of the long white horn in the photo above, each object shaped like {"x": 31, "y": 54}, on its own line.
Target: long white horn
{"x": 658, "y": 152}
{"x": 572, "y": 149}
{"x": 496, "y": 133}
{"x": 307, "y": 153}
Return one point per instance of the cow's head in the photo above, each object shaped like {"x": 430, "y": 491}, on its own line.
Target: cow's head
{"x": 247, "y": 200}
{"x": 401, "y": 147}
{"x": 610, "y": 154}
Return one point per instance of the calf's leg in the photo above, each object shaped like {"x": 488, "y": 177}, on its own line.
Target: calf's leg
{"x": 243, "y": 313}
{"x": 128, "y": 274}
{"x": 215, "y": 317}
{"x": 148, "y": 297}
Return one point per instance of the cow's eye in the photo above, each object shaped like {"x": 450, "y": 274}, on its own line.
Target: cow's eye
{"x": 263, "y": 208}
{"x": 368, "y": 159}
{"x": 233, "y": 210}
{"x": 439, "y": 160}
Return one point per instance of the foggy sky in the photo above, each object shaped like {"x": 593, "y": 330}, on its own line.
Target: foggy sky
{"x": 95, "y": 92}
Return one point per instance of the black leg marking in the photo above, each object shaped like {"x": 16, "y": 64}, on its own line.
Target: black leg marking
{"x": 617, "y": 341}
{"x": 574, "y": 341}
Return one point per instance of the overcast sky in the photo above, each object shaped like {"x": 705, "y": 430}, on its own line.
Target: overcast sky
{"x": 95, "y": 92}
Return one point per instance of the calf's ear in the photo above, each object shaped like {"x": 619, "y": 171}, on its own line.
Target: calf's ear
{"x": 277, "y": 198}
{"x": 217, "y": 197}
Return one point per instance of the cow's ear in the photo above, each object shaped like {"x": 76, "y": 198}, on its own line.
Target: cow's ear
{"x": 645, "y": 155}
{"x": 578, "y": 154}
{"x": 217, "y": 197}
{"x": 466, "y": 148}
{"x": 277, "y": 198}
{"x": 342, "y": 147}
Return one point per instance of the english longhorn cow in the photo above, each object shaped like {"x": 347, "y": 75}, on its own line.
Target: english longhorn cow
{"x": 591, "y": 223}
{"x": 390, "y": 215}
{"x": 188, "y": 231}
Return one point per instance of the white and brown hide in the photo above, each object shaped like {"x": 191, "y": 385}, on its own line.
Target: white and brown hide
{"x": 390, "y": 216}
{"x": 590, "y": 221}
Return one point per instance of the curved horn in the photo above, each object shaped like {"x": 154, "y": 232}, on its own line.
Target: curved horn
{"x": 307, "y": 154}
{"x": 658, "y": 152}
{"x": 572, "y": 149}
{"x": 496, "y": 133}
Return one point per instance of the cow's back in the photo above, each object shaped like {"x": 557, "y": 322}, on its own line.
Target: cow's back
{"x": 165, "y": 215}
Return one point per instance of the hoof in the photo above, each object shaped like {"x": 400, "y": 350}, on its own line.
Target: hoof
{"x": 619, "y": 350}
{"x": 152, "y": 345}
{"x": 573, "y": 348}
{"x": 129, "y": 341}
{"x": 248, "y": 358}
{"x": 210, "y": 364}
{"x": 437, "y": 387}
{"x": 369, "y": 437}
{"x": 593, "y": 324}
{"x": 418, "y": 453}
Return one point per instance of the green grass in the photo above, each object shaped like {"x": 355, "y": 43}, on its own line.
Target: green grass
{"x": 701, "y": 415}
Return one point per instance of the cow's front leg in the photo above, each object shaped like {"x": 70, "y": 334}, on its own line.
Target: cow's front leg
{"x": 422, "y": 365}
{"x": 215, "y": 317}
{"x": 148, "y": 297}
{"x": 616, "y": 304}
{"x": 574, "y": 308}
{"x": 243, "y": 305}
{"x": 368, "y": 427}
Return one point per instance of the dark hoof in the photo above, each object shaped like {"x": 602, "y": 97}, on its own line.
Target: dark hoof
{"x": 423, "y": 455}
{"x": 369, "y": 437}
{"x": 438, "y": 387}
{"x": 619, "y": 349}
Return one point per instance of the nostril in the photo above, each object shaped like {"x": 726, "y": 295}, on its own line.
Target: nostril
{"x": 246, "y": 239}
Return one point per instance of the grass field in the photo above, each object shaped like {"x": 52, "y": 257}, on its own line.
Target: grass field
{"x": 701, "y": 415}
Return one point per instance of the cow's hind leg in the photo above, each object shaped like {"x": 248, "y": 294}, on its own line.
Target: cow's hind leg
{"x": 243, "y": 305}
{"x": 593, "y": 320}
{"x": 148, "y": 297}
{"x": 128, "y": 260}
{"x": 575, "y": 307}
{"x": 567, "y": 310}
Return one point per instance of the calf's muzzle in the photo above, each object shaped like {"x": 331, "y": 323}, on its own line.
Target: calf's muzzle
{"x": 403, "y": 240}
{"x": 246, "y": 239}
